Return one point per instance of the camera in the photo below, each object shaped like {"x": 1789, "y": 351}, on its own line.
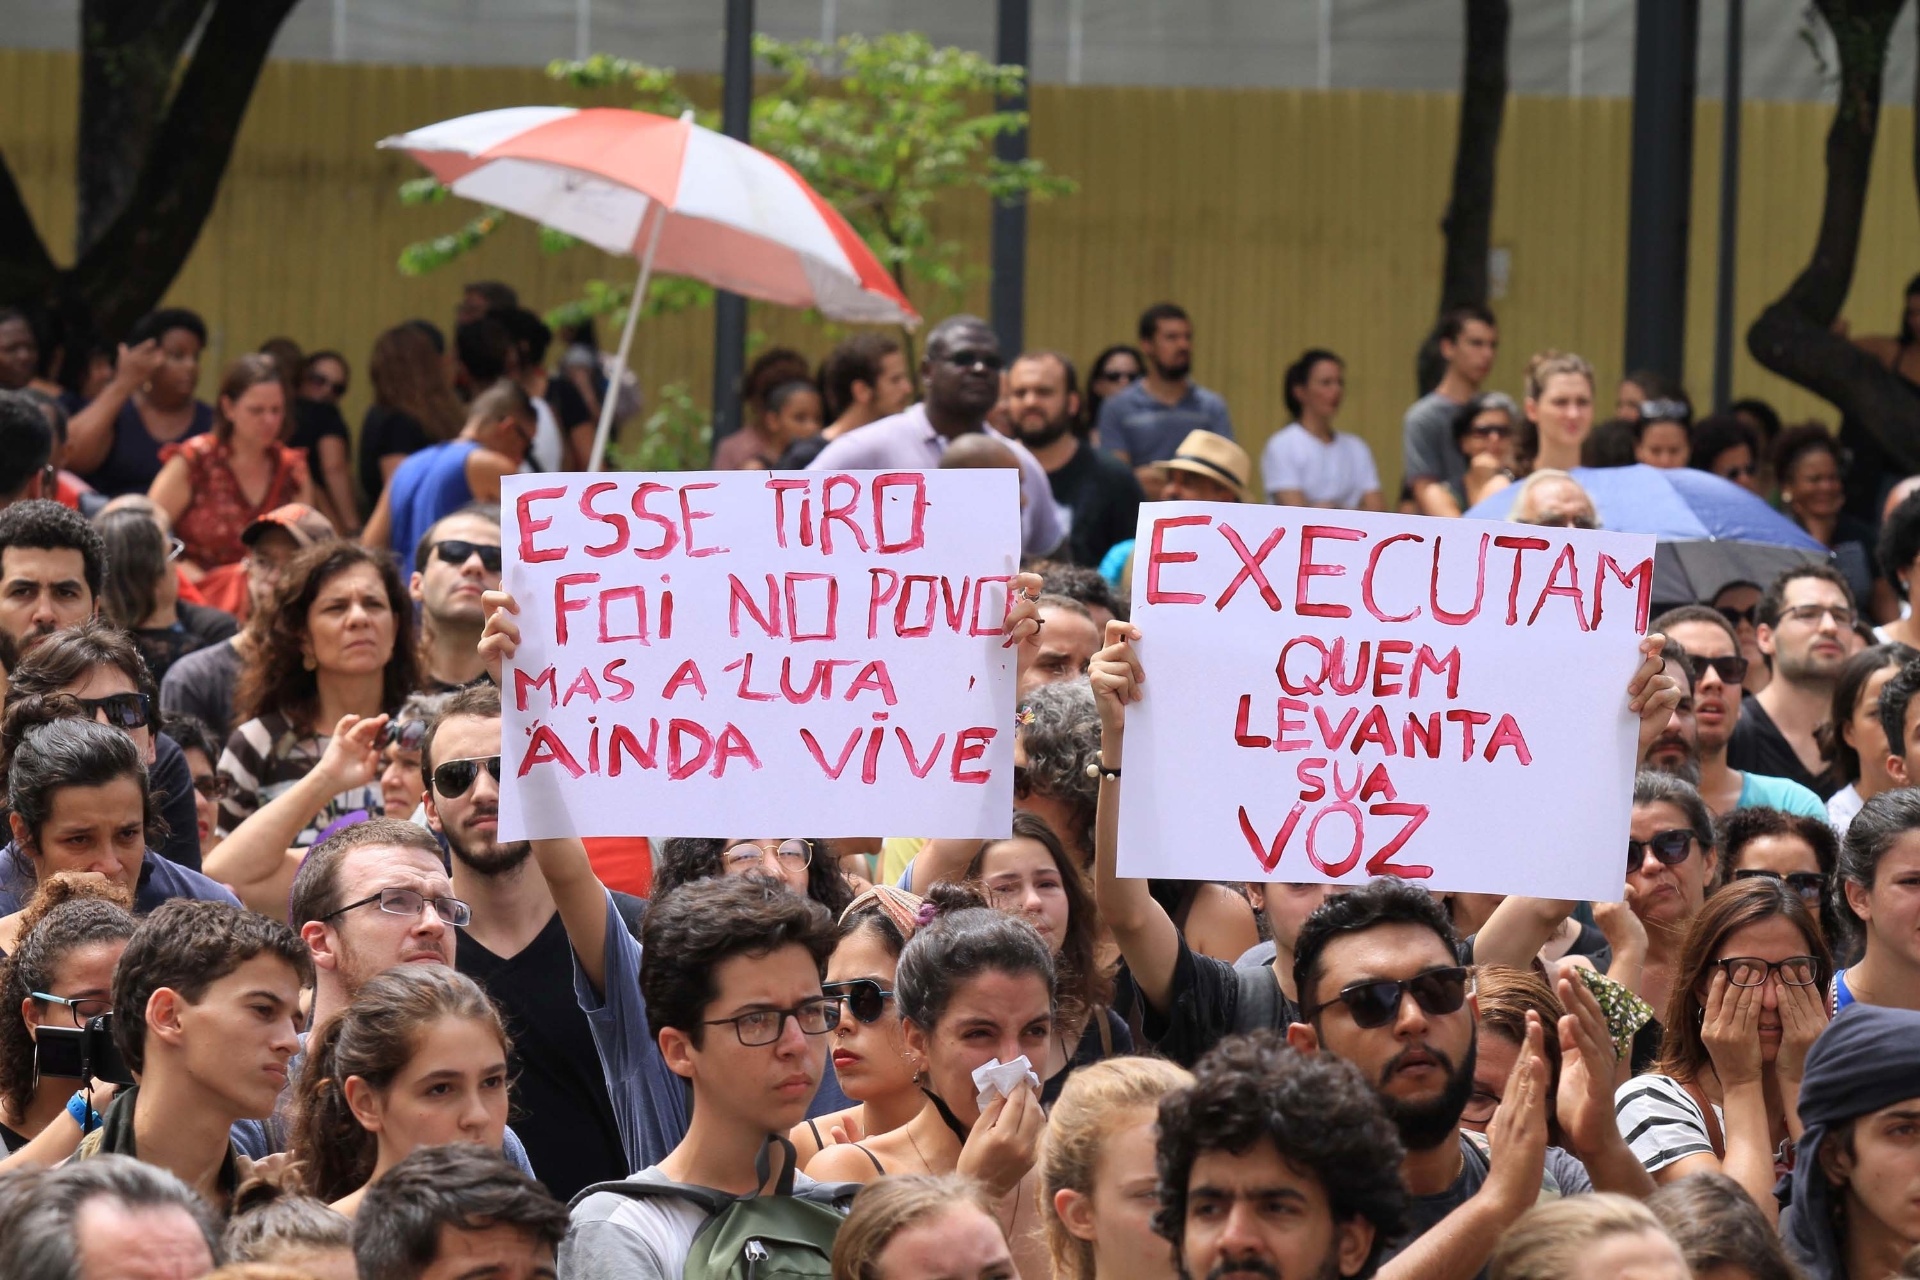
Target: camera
{"x": 81, "y": 1053}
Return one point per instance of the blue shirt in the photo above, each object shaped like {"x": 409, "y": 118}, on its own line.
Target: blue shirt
{"x": 429, "y": 486}
{"x": 1758, "y": 791}
{"x": 1146, "y": 429}
{"x": 159, "y": 881}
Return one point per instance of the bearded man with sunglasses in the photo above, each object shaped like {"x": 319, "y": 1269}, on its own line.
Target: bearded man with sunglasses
{"x": 456, "y": 562}
{"x": 516, "y": 948}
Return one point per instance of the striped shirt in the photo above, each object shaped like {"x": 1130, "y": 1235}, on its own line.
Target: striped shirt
{"x": 265, "y": 757}
{"x": 1661, "y": 1122}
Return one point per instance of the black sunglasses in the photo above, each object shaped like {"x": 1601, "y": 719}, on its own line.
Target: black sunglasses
{"x": 216, "y": 786}
{"x": 1670, "y": 847}
{"x": 407, "y": 735}
{"x": 456, "y": 552}
{"x": 1748, "y": 615}
{"x": 1731, "y": 669}
{"x": 969, "y": 359}
{"x": 453, "y": 778}
{"x": 866, "y": 999}
{"x": 1811, "y": 886}
{"x": 123, "y": 710}
{"x": 1374, "y": 1004}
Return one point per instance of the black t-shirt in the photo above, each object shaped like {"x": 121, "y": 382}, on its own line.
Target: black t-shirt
{"x": 313, "y": 420}
{"x": 172, "y": 781}
{"x": 1758, "y": 746}
{"x": 1207, "y": 996}
{"x": 1100, "y": 498}
{"x": 384, "y": 432}
{"x": 570, "y": 408}
{"x": 560, "y": 1107}
{"x": 198, "y": 626}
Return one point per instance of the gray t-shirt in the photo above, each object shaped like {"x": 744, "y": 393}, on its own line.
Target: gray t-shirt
{"x": 1566, "y": 1176}
{"x": 1427, "y": 443}
{"x": 1135, "y": 423}
{"x": 201, "y": 684}
{"x": 619, "y": 1237}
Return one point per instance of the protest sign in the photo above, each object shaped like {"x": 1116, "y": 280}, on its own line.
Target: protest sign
{"x": 1332, "y": 696}
{"x": 759, "y": 654}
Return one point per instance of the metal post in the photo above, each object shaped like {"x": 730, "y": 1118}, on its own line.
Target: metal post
{"x": 1666, "y": 38}
{"x": 730, "y": 309}
{"x": 1730, "y": 100}
{"x": 1008, "y": 294}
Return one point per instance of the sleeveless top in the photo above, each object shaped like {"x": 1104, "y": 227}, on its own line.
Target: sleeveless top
{"x": 429, "y": 485}
{"x": 220, "y": 511}
{"x": 135, "y": 458}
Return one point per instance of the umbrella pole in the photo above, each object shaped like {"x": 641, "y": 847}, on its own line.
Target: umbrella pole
{"x": 604, "y": 431}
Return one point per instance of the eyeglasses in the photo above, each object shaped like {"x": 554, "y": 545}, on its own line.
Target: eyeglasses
{"x": 1751, "y": 971}
{"x": 1374, "y": 1004}
{"x": 1117, "y": 375}
{"x": 1812, "y": 613}
{"x": 1748, "y": 615}
{"x": 1665, "y": 411}
{"x": 1489, "y": 432}
{"x": 85, "y": 1010}
{"x": 1670, "y": 847}
{"x": 1480, "y": 1107}
{"x": 865, "y": 999}
{"x": 175, "y": 548}
{"x": 453, "y": 778}
{"x": 795, "y": 855}
{"x": 216, "y": 786}
{"x": 456, "y": 552}
{"x": 122, "y": 710}
{"x": 974, "y": 359}
{"x": 764, "y": 1026}
{"x": 408, "y": 902}
{"x": 1744, "y": 471}
{"x": 326, "y": 384}
{"x": 1811, "y": 886}
{"x": 1731, "y": 669}
{"x": 408, "y": 735}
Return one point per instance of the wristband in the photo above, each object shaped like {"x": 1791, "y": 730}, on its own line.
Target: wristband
{"x": 82, "y": 1111}
{"x": 1098, "y": 770}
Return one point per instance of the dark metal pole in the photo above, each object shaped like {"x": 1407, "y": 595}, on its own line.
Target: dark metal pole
{"x": 1008, "y": 295}
{"x": 1730, "y": 100}
{"x": 730, "y": 309}
{"x": 1666, "y": 39}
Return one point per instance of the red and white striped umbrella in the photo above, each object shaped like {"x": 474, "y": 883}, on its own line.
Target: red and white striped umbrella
{"x": 682, "y": 199}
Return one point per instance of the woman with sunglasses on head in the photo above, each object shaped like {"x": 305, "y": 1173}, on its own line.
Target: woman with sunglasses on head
{"x": 869, "y": 1053}
{"x": 142, "y": 594}
{"x": 101, "y": 668}
{"x": 1801, "y": 853}
{"x": 1746, "y": 1005}
{"x": 402, "y": 784}
{"x": 419, "y": 1059}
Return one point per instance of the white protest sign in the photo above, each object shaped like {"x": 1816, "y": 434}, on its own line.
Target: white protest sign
{"x": 754, "y": 653}
{"x": 1332, "y": 696}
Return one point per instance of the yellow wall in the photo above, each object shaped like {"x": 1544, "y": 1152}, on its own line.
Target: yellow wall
{"x": 1280, "y": 219}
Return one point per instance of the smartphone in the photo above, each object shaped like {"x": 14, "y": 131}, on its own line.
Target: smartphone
{"x": 73, "y": 1053}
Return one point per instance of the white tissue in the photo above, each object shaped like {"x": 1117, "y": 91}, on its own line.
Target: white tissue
{"x": 999, "y": 1079}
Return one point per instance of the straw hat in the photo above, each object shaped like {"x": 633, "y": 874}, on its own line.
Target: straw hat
{"x": 1205, "y": 453}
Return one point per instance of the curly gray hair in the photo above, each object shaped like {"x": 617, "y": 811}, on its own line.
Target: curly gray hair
{"x": 1062, "y": 737}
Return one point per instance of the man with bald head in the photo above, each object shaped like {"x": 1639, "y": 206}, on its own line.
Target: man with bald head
{"x": 1554, "y": 499}
{"x": 961, "y": 374}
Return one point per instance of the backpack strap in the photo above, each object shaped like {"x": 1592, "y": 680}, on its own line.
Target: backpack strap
{"x": 711, "y": 1199}
{"x": 1715, "y": 1138}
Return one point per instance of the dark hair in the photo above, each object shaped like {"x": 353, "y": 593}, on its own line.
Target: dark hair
{"x": 489, "y": 511}
{"x": 1300, "y": 372}
{"x": 1653, "y": 787}
{"x": 530, "y": 334}
{"x": 1853, "y": 681}
{"x": 1090, "y": 407}
{"x": 1765, "y": 414}
{"x": 1487, "y": 400}
{"x": 1716, "y": 433}
{"x": 41, "y": 524}
{"x": 1718, "y": 1226}
{"x": 1743, "y": 826}
{"x": 66, "y": 914}
{"x": 691, "y": 930}
{"x": 26, "y": 442}
{"x": 1671, "y": 653}
{"x": 1082, "y": 987}
{"x": 1150, "y": 318}
{"x": 476, "y": 701}
{"x": 1873, "y": 831}
{"x": 315, "y": 894}
{"x": 857, "y": 359}
{"x": 776, "y": 399}
{"x": 275, "y": 678}
{"x": 772, "y": 368}
{"x": 1773, "y": 602}
{"x": 1382, "y": 901}
{"x": 138, "y": 552}
{"x": 965, "y": 939}
{"x": 1502, "y": 997}
{"x": 68, "y": 655}
{"x": 1041, "y": 355}
{"x": 1610, "y": 444}
{"x": 1642, "y": 423}
{"x": 396, "y": 1234}
{"x": 49, "y": 742}
{"x": 244, "y": 374}
{"x": 188, "y": 946}
{"x": 1896, "y": 696}
{"x": 1079, "y": 583}
{"x": 373, "y": 1038}
{"x": 191, "y": 733}
{"x": 1317, "y": 1110}
{"x": 1683, "y": 1055}
{"x": 485, "y": 349}
{"x": 326, "y": 353}
{"x": 1454, "y": 322}
{"x": 1900, "y": 538}
{"x": 408, "y": 376}
{"x": 1796, "y": 442}
{"x": 271, "y": 1223}
{"x": 681, "y": 860}
{"x": 1665, "y": 623}
{"x": 50, "y": 409}
{"x": 156, "y": 325}
{"x": 496, "y": 294}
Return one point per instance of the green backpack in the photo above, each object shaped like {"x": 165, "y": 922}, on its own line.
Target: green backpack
{"x": 782, "y": 1236}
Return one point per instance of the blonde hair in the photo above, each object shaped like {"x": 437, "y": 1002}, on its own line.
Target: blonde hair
{"x": 1546, "y": 364}
{"x": 1549, "y": 1241}
{"x": 887, "y": 1206}
{"x": 1096, "y": 1101}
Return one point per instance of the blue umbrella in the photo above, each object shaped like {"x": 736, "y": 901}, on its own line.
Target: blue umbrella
{"x": 1711, "y": 531}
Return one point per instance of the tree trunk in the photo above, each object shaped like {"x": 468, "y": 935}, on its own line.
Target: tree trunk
{"x": 1468, "y": 224}
{"x": 129, "y": 52}
{"x": 1794, "y": 336}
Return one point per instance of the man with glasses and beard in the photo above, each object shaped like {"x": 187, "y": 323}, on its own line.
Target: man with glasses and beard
{"x": 1804, "y": 621}
{"x": 1099, "y": 495}
{"x": 516, "y": 947}
{"x": 961, "y": 372}
{"x": 1381, "y": 985}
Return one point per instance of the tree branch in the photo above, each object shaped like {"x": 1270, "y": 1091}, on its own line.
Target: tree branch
{"x": 134, "y": 260}
{"x": 129, "y": 54}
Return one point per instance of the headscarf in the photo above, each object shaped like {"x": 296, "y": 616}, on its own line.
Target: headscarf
{"x": 897, "y": 905}
{"x": 1862, "y": 1062}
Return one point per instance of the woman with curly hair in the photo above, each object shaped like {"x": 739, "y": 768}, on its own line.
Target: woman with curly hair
{"x": 413, "y": 403}
{"x": 333, "y": 657}
{"x": 803, "y": 865}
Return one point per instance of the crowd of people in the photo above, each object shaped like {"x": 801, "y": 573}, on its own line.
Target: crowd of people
{"x": 276, "y": 1001}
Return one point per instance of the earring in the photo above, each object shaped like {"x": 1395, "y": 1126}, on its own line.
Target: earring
{"x": 308, "y": 662}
